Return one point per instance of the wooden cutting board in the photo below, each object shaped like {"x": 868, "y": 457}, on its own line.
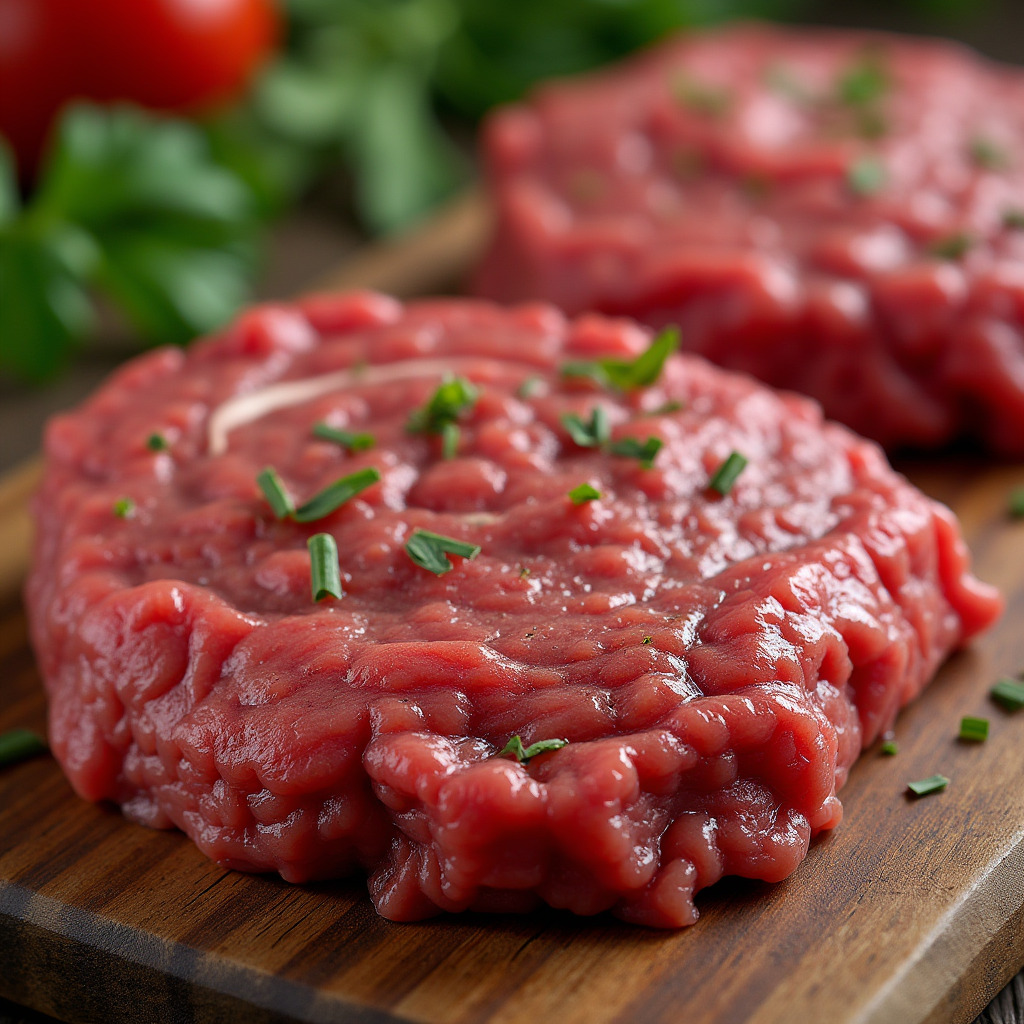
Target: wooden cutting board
{"x": 913, "y": 910}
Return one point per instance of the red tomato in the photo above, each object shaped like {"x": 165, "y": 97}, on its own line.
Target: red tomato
{"x": 34, "y": 73}
{"x": 175, "y": 55}
{"x": 172, "y": 54}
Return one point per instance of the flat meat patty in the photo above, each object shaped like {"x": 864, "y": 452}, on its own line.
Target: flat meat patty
{"x": 833, "y": 212}
{"x": 716, "y": 659}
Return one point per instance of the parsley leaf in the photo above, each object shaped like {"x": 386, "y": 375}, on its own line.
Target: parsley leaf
{"x": 628, "y": 375}
{"x": 455, "y": 397}
{"x": 523, "y": 754}
{"x": 428, "y": 550}
{"x": 583, "y": 493}
{"x": 132, "y": 204}
{"x": 588, "y": 435}
{"x": 866, "y": 176}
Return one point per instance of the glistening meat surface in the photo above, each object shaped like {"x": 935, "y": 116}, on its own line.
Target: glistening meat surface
{"x": 834, "y": 212}
{"x": 716, "y": 662}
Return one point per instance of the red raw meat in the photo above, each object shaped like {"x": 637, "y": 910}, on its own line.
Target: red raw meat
{"x": 717, "y": 663}
{"x": 834, "y": 212}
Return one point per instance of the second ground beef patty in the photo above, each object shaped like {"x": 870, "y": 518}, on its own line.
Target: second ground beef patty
{"x": 716, "y": 651}
{"x": 837, "y": 213}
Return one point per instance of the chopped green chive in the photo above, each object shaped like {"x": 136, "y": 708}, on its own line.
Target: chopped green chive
{"x": 866, "y": 176}
{"x": 273, "y": 490}
{"x": 889, "y": 748}
{"x": 702, "y": 98}
{"x": 864, "y": 83}
{"x": 19, "y": 745}
{"x": 628, "y": 375}
{"x": 452, "y": 399}
{"x": 1016, "y": 503}
{"x": 988, "y": 154}
{"x": 647, "y": 640}
{"x": 450, "y": 434}
{"x": 584, "y": 493}
{"x": 531, "y": 387}
{"x": 666, "y": 408}
{"x": 334, "y": 496}
{"x": 633, "y": 448}
{"x": 1013, "y": 219}
{"x": 726, "y": 474}
{"x": 428, "y": 550}
{"x": 974, "y": 729}
{"x": 933, "y": 784}
{"x": 953, "y": 247}
{"x": 157, "y": 443}
{"x": 124, "y": 508}
{"x": 587, "y": 185}
{"x": 523, "y": 754}
{"x": 1009, "y": 693}
{"x": 524, "y": 571}
{"x": 325, "y": 571}
{"x": 588, "y": 435}
{"x": 352, "y": 442}
{"x": 781, "y": 79}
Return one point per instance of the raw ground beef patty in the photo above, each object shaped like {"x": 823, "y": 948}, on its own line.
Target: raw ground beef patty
{"x": 716, "y": 662}
{"x": 837, "y": 213}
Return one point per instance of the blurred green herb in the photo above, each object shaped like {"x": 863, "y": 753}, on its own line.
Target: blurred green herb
{"x": 131, "y": 205}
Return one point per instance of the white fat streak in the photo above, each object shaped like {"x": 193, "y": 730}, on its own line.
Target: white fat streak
{"x": 242, "y": 409}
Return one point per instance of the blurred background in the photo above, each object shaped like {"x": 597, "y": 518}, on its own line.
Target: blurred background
{"x": 164, "y": 161}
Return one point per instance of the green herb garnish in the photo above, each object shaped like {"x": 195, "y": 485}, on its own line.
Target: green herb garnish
{"x": 726, "y": 474}
{"x": 524, "y": 571}
{"x": 584, "y": 493}
{"x": 334, "y": 496}
{"x": 351, "y": 442}
{"x": 953, "y": 247}
{"x": 1016, "y": 503}
{"x": 523, "y": 754}
{"x": 428, "y": 550}
{"x": 530, "y": 388}
{"x": 988, "y": 154}
{"x": 157, "y": 443}
{"x": 889, "y": 748}
{"x": 864, "y": 83}
{"x": 1009, "y": 693}
{"x": 450, "y": 434}
{"x": 588, "y": 435}
{"x": 124, "y": 508}
{"x": 628, "y": 375}
{"x": 974, "y": 729}
{"x": 671, "y": 406}
{"x": 633, "y": 448}
{"x": 273, "y": 490}
{"x": 780, "y": 79}
{"x": 1013, "y": 219}
{"x": 325, "y": 570}
{"x": 702, "y": 97}
{"x": 19, "y": 745}
{"x": 933, "y": 784}
{"x": 866, "y": 176}
{"x": 132, "y": 205}
{"x": 647, "y": 640}
{"x": 455, "y": 397}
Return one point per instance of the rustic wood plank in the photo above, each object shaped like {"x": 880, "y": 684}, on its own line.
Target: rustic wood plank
{"x": 913, "y": 911}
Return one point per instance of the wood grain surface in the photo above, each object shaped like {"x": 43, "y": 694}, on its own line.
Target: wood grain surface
{"x": 912, "y": 911}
